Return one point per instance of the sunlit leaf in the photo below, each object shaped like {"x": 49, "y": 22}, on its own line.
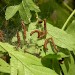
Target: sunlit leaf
{"x": 71, "y": 28}
{"x": 32, "y": 65}
{"x": 68, "y": 66}
{"x": 4, "y": 67}
{"x": 30, "y": 4}
{"x": 11, "y": 11}
{"x": 24, "y": 13}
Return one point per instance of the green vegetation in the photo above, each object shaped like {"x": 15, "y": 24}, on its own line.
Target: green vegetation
{"x": 37, "y": 37}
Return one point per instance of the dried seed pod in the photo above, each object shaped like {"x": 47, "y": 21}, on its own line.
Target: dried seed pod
{"x": 18, "y": 39}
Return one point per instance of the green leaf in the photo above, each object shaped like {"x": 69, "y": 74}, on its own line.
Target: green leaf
{"x": 69, "y": 66}
{"x": 21, "y": 70}
{"x": 30, "y": 4}
{"x": 24, "y": 13}
{"x": 16, "y": 67}
{"x": 4, "y": 73}
{"x": 4, "y": 67}
{"x": 61, "y": 38}
{"x": 58, "y": 56}
{"x": 13, "y": 64}
{"x": 71, "y": 28}
{"x": 1, "y": 49}
{"x": 25, "y": 8}
{"x": 32, "y": 65}
{"x": 52, "y": 64}
{"x": 11, "y": 11}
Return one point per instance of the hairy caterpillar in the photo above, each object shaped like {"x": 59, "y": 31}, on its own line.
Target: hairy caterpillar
{"x": 47, "y": 41}
{"x": 18, "y": 39}
{"x": 24, "y": 29}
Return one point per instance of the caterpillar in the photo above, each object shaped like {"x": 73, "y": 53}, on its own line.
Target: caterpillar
{"x": 24, "y": 29}
{"x": 35, "y": 31}
{"x": 18, "y": 39}
{"x": 40, "y": 33}
{"x": 47, "y": 41}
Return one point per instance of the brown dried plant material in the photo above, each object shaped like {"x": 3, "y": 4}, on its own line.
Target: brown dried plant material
{"x": 18, "y": 39}
{"x": 1, "y": 36}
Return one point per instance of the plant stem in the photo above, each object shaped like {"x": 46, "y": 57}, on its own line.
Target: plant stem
{"x": 65, "y": 24}
{"x": 68, "y": 7}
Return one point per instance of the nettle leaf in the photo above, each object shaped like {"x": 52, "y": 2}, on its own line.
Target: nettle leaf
{"x": 30, "y": 4}
{"x": 2, "y": 50}
{"x": 52, "y": 63}
{"x": 25, "y": 13}
{"x": 69, "y": 65}
{"x": 13, "y": 64}
{"x": 24, "y": 9}
{"x": 11, "y": 11}
{"x": 58, "y": 56}
{"x": 32, "y": 65}
{"x": 61, "y": 38}
{"x": 71, "y": 28}
{"x": 4, "y": 67}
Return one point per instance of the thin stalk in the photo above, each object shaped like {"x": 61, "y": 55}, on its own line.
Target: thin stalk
{"x": 68, "y": 7}
{"x": 65, "y": 24}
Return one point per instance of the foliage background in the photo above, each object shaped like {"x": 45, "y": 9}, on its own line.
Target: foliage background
{"x": 56, "y": 13}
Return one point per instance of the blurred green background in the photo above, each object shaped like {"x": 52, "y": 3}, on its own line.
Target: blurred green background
{"x": 55, "y": 11}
